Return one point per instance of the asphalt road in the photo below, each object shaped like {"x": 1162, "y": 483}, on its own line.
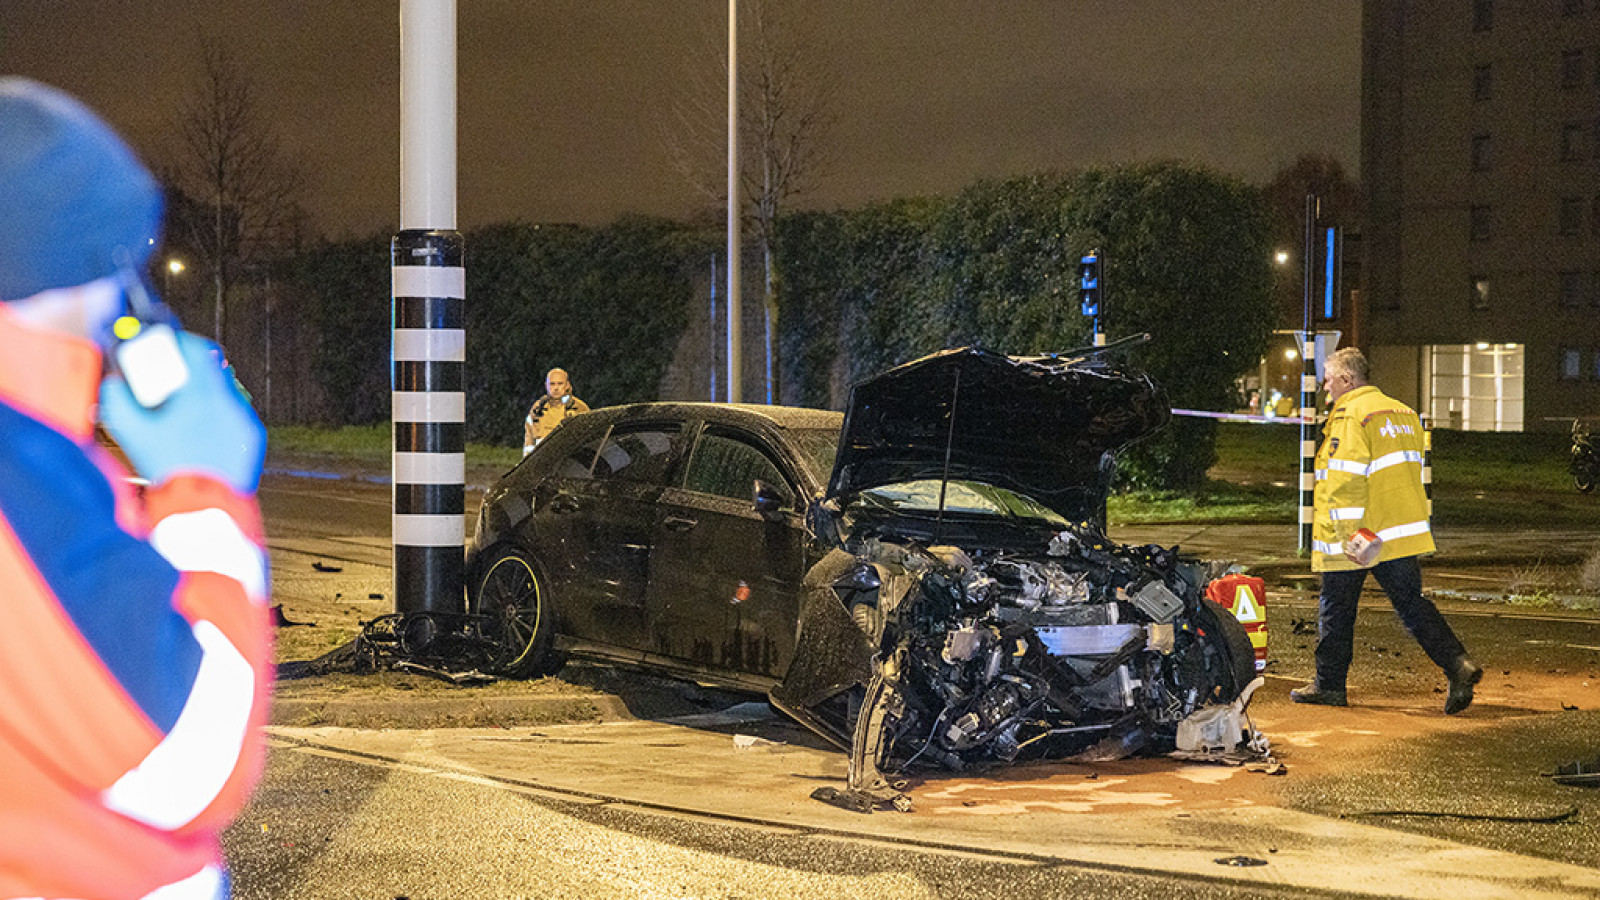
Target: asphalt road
{"x": 325, "y": 828}
{"x": 1417, "y": 804}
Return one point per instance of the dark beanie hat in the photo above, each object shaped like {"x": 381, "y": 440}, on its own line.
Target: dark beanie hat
{"x": 73, "y": 197}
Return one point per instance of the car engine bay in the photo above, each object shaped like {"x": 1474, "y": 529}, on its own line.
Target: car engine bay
{"x": 1086, "y": 649}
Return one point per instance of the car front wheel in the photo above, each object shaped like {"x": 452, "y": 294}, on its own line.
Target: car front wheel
{"x": 517, "y": 617}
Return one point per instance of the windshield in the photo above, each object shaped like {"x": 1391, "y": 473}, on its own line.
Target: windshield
{"x": 964, "y": 498}
{"x": 817, "y": 447}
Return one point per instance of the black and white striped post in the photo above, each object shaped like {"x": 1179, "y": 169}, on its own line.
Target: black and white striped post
{"x": 429, "y": 355}
{"x": 429, "y": 339}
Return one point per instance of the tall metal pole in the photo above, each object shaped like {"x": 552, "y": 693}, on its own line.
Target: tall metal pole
{"x": 711, "y": 344}
{"x": 1308, "y": 386}
{"x": 735, "y": 337}
{"x": 429, "y": 338}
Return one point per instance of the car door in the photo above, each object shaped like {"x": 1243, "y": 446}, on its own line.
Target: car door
{"x": 604, "y": 529}
{"x": 724, "y": 578}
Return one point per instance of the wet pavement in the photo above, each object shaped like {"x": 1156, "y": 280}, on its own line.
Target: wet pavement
{"x": 1386, "y": 798}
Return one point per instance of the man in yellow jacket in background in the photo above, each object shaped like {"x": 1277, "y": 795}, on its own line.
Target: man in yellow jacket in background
{"x": 1372, "y": 515}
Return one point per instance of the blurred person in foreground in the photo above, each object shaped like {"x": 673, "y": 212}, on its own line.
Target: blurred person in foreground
{"x": 556, "y": 406}
{"x": 135, "y": 657}
{"x": 1371, "y": 515}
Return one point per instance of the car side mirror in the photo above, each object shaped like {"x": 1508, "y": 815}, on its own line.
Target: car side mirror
{"x": 768, "y": 500}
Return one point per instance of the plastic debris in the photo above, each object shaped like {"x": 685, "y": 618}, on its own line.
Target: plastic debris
{"x": 1578, "y": 773}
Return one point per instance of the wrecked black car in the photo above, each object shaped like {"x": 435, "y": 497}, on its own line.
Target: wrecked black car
{"x": 927, "y": 583}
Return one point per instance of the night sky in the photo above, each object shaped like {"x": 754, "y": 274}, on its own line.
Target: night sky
{"x": 565, "y": 106}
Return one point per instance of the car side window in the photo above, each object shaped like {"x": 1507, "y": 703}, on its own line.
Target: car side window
{"x": 728, "y": 466}
{"x": 578, "y": 460}
{"x": 637, "y": 452}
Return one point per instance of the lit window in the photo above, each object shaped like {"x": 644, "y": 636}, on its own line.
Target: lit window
{"x": 1571, "y": 69}
{"x": 1480, "y": 292}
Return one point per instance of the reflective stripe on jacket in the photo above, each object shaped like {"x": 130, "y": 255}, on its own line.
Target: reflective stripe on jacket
{"x": 1369, "y": 475}
{"x": 136, "y": 657}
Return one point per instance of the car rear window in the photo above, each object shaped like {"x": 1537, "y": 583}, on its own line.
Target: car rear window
{"x": 637, "y": 452}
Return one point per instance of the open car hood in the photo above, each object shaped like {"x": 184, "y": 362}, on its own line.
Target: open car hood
{"x": 1038, "y": 426}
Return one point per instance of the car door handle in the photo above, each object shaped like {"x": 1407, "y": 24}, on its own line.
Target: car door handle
{"x": 563, "y": 505}
{"x": 679, "y": 523}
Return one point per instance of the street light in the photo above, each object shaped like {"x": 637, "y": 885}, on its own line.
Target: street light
{"x": 175, "y": 266}
{"x": 1282, "y": 257}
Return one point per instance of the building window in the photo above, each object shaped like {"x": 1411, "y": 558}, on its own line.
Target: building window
{"x": 1594, "y": 287}
{"x": 1479, "y": 223}
{"x": 1482, "y": 15}
{"x": 1482, "y": 82}
{"x": 1594, "y": 368}
{"x": 1473, "y": 387}
{"x": 1482, "y": 152}
{"x": 1571, "y": 221}
{"x": 1571, "y": 69}
{"x": 1571, "y": 142}
{"x": 1570, "y": 364}
{"x": 1572, "y": 7}
{"x": 1571, "y": 292}
{"x": 1480, "y": 292}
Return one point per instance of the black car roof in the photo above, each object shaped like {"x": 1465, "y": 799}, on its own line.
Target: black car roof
{"x": 776, "y": 416}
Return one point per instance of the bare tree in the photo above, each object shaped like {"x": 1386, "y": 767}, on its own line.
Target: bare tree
{"x": 784, "y": 116}
{"x": 241, "y": 192}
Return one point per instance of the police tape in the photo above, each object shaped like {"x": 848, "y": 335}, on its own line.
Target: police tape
{"x": 1242, "y": 417}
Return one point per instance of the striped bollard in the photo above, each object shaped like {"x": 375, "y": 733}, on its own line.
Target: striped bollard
{"x": 1427, "y": 462}
{"x": 428, "y": 384}
{"x": 1308, "y": 437}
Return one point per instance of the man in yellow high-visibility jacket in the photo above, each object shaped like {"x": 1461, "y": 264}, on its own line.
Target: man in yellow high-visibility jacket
{"x": 1369, "y": 492}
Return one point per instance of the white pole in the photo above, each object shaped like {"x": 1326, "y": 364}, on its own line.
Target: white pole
{"x": 427, "y": 115}
{"x": 735, "y": 338}
{"x": 428, "y": 341}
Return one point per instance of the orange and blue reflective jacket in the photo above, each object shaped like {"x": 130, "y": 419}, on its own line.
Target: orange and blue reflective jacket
{"x": 135, "y": 657}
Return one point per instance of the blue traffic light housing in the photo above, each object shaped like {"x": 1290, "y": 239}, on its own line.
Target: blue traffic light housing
{"x": 1089, "y": 293}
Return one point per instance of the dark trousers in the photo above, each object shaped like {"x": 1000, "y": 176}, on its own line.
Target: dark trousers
{"x": 1401, "y": 579}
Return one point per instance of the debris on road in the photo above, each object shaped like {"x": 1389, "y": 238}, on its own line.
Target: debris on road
{"x": 282, "y": 621}
{"x": 1578, "y": 773}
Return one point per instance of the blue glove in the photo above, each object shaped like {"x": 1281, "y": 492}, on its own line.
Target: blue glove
{"x": 205, "y": 426}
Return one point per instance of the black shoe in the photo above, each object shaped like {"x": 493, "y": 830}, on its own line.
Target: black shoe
{"x": 1311, "y": 693}
{"x": 1464, "y": 676}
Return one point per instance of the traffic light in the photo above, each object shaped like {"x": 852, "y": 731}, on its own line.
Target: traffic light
{"x": 1089, "y": 294}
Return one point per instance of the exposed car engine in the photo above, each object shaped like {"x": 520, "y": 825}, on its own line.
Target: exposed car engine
{"x": 1086, "y": 649}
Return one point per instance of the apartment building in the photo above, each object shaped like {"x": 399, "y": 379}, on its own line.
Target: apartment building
{"x": 1480, "y": 301}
